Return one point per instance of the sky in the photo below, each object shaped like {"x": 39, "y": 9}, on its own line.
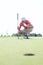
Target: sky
{"x": 30, "y": 9}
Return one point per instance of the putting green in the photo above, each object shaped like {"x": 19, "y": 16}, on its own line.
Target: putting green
{"x": 12, "y": 51}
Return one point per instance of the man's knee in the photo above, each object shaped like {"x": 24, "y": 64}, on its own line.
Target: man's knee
{"x": 31, "y": 29}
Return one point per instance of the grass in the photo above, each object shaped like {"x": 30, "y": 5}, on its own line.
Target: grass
{"x": 12, "y": 51}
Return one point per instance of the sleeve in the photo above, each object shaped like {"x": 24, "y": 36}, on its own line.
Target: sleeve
{"x": 21, "y": 24}
{"x": 29, "y": 23}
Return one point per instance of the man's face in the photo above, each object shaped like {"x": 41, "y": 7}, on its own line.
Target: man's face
{"x": 23, "y": 21}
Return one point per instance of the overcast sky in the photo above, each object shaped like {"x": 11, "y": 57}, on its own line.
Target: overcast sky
{"x": 30, "y": 9}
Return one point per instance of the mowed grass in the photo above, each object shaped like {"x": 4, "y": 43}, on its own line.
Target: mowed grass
{"x": 12, "y": 51}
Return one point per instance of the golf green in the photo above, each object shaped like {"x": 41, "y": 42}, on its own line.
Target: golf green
{"x": 12, "y": 51}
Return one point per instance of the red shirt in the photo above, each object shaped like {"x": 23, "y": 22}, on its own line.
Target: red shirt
{"x": 26, "y": 22}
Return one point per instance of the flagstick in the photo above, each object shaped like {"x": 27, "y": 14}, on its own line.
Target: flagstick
{"x": 18, "y": 22}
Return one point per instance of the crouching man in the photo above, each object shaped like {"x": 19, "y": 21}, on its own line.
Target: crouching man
{"x": 28, "y": 27}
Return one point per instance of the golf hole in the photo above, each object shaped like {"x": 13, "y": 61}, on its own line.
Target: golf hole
{"x": 29, "y": 54}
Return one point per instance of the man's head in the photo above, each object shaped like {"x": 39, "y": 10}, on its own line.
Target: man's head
{"x": 23, "y": 19}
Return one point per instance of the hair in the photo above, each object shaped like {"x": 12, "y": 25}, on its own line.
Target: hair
{"x": 23, "y": 18}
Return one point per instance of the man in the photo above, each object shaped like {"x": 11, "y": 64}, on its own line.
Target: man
{"x": 27, "y": 27}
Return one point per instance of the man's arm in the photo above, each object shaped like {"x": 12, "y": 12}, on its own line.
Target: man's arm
{"x": 19, "y": 27}
{"x": 30, "y": 25}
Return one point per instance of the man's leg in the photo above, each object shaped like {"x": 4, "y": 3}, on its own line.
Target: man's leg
{"x": 28, "y": 30}
{"x": 25, "y": 32}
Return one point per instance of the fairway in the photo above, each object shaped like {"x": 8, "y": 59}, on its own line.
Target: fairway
{"x": 12, "y": 51}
